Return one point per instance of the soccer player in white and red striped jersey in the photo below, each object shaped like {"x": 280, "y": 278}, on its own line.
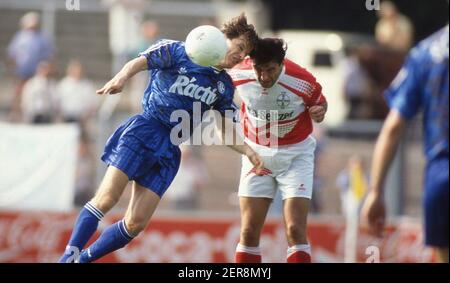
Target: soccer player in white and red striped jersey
{"x": 279, "y": 100}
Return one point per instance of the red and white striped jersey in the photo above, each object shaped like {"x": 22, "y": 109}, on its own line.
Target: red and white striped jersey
{"x": 280, "y": 111}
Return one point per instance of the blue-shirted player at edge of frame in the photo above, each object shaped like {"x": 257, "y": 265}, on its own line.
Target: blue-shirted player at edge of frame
{"x": 141, "y": 150}
{"x": 421, "y": 84}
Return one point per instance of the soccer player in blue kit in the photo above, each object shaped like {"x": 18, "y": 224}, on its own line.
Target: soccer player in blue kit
{"x": 141, "y": 149}
{"x": 422, "y": 83}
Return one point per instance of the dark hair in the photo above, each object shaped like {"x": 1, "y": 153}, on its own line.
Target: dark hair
{"x": 269, "y": 50}
{"x": 238, "y": 26}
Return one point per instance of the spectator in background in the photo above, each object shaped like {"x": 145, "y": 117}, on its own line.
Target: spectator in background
{"x": 125, "y": 17}
{"x": 79, "y": 103}
{"x": 357, "y": 86}
{"x": 77, "y": 96}
{"x": 149, "y": 36}
{"x": 27, "y": 49}
{"x": 85, "y": 173}
{"x": 371, "y": 68}
{"x": 344, "y": 179}
{"x": 184, "y": 193}
{"x": 40, "y": 103}
{"x": 381, "y": 66}
{"x": 393, "y": 29}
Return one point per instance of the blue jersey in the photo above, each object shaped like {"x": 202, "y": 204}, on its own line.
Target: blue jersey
{"x": 176, "y": 83}
{"x": 423, "y": 84}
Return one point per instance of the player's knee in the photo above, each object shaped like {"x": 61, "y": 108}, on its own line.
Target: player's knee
{"x": 296, "y": 233}
{"x": 105, "y": 202}
{"x": 250, "y": 236}
{"x": 135, "y": 226}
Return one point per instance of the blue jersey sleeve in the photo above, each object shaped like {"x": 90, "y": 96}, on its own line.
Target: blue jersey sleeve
{"x": 164, "y": 54}
{"x": 404, "y": 94}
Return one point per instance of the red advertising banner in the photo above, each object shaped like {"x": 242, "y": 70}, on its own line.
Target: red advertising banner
{"x": 42, "y": 236}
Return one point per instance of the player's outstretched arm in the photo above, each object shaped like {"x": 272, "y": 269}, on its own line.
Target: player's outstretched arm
{"x": 116, "y": 84}
{"x": 373, "y": 211}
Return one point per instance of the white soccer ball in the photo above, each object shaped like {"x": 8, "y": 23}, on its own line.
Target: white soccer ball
{"x": 206, "y": 46}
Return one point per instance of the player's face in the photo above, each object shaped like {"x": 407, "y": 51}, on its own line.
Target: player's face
{"x": 238, "y": 48}
{"x": 268, "y": 73}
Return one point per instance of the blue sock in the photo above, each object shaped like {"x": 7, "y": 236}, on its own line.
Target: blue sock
{"x": 85, "y": 227}
{"x": 113, "y": 238}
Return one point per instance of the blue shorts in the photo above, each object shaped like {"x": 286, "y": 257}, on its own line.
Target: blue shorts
{"x": 141, "y": 148}
{"x": 436, "y": 203}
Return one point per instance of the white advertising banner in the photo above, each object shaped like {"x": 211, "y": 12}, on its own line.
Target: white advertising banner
{"x": 37, "y": 166}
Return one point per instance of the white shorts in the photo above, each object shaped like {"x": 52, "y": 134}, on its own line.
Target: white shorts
{"x": 292, "y": 169}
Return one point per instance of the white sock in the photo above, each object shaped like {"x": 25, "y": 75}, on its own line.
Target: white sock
{"x": 249, "y": 250}
{"x": 304, "y": 248}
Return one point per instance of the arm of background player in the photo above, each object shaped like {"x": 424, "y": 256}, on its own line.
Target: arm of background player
{"x": 373, "y": 211}
{"x": 116, "y": 84}
{"x": 224, "y": 127}
{"x": 404, "y": 99}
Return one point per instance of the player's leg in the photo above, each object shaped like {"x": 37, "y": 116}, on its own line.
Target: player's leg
{"x": 436, "y": 202}
{"x": 255, "y": 196}
{"x": 121, "y": 151}
{"x": 152, "y": 175}
{"x": 296, "y": 185}
{"x": 253, "y": 215}
{"x": 108, "y": 194}
{"x": 141, "y": 207}
{"x": 110, "y": 190}
{"x": 295, "y": 211}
